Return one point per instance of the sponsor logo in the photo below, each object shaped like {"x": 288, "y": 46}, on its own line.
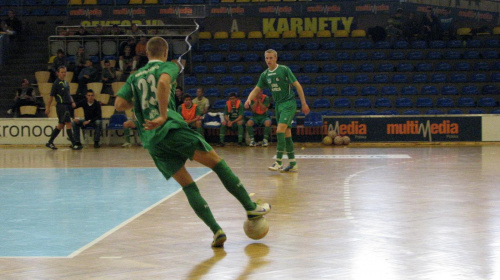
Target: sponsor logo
{"x": 138, "y": 11}
{"x": 221, "y": 10}
{"x": 185, "y": 11}
{"x": 426, "y": 129}
{"x": 352, "y": 128}
{"x": 122, "y": 11}
{"x": 169, "y": 11}
{"x": 95, "y": 12}
{"x": 79, "y": 12}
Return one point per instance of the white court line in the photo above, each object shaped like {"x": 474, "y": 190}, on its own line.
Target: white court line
{"x": 394, "y": 156}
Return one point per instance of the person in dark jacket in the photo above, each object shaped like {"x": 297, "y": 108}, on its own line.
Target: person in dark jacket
{"x": 93, "y": 118}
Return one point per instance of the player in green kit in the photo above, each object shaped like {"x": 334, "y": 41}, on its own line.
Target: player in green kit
{"x": 151, "y": 93}
{"x": 279, "y": 79}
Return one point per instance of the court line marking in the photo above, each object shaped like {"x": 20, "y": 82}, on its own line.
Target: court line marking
{"x": 379, "y": 156}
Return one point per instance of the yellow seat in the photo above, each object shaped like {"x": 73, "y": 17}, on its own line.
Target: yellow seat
{"x": 496, "y": 30}
{"x": 75, "y": 2}
{"x": 46, "y": 99}
{"x": 324, "y": 34}
{"x": 240, "y": 1}
{"x": 272, "y": 35}
{"x": 135, "y": 2}
{"x": 150, "y": 2}
{"x": 51, "y": 59}
{"x": 96, "y": 87}
{"x": 73, "y": 87}
{"x": 289, "y": 34}
{"x": 341, "y": 34}
{"x": 78, "y": 112}
{"x": 238, "y": 35}
{"x": 28, "y": 110}
{"x": 221, "y": 35}
{"x": 104, "y": 98}
{"x": 112, "y": 63}
{"x": 255, "y": 35}
{"x": 358, "y": 33}
{"x": 69, "y": 76}
{"x": 107, "y": 111}
{"x": 42, "y": 76}
{"x": 464, "y": 31}
{"x": 129, "y": 113}
{"x": 306, "y": 34}
{"x": 89, "y": 2}
{"x": 116, "y": 86}
{"x": 44, "y": 89}
{"x": 227, "y": 1}
{"x": 205, "y": 35}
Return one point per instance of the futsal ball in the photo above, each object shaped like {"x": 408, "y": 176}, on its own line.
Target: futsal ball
{"x": 256, "y": 228}
{"x": 346, "y": 140}
{"x": 332, "y": 134}
{"x": 327, "y": 140}
{"x": 338, "y": 140}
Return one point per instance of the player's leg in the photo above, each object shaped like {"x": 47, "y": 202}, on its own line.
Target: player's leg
{"x": 292, "y": 167}
{"x": 267, "y": 132}
{"x": 222, "y": 133}
{"x": 239, "y": 125}
{"x": 250, "y": 123}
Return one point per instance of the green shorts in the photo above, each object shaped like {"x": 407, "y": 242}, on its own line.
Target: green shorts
{"x": 234, "y": 127}
{"x": 285, "y": 112}
{"x": 259, "y": 120}
{"x": 178, "y": 146}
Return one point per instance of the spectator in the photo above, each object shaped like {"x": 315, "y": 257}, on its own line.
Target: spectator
{"x": 190, "y": 113}
{"x": 82, "y": 31}
{"x": 127, "y": 62}
{"x": 377, "y": 33}
{"x": 140, "y": 52}
{"x": 24, "y": 96}
{"x": 259, "y": 106}
{"x": 99, "y": 30}
{"x": 430, "y": 25}
{"x": 447, "y": 25}
{"x": 411, "y": 27}
{"x": 93, "y": 118}
{"x": 87, "y": 75}
{"x": 128, "y": 128}
{"x": 233, "y": 118}
{"x": 130, "y": 43}
{"x": 178, "y": 96}
{"x": 202, "y": 102}
{"x": 12, "y": 25}
{"x": 395, "y": 24}
{"x": 80, "y": 59}
{"x": 108, "y": 73}
{"x": 115, "y": 30}
{"x": 59, "y": 60}
{"x": 134, "y": 30}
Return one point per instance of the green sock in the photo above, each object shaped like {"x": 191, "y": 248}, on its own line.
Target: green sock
{"x": 126, "y": 131}
{"x": 200, "y": 206}
{"x": 290, "y": 151}
{"x": 222, "y": 133}
{"x": 200, "y": 130}
{"x": 267, "y": 132}
{"x": 232, "y": 183}
{"x": 280, "y": 149}
{"x": 250, "y": 132}
{"x": 240, "y": 133}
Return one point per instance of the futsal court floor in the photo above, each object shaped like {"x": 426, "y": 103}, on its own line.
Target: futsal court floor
{"x": 365, "y": 211}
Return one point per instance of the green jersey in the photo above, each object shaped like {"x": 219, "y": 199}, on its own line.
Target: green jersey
{"x": 279, "y": 82}
{"x": 141, "y": 88}
{"x": 235, "y": 111}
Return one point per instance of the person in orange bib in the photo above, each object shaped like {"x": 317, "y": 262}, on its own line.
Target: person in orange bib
{"x": 191, "y": 113}
{"x": 260, "y": 118}
{"x": 233, "y": 118}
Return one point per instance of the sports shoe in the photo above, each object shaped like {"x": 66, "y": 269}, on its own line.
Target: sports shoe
{"x": 219, "y": 239}
{"x": 265, "y": 143}
{"x": 51, "y": 146}
{"x": 275, "y": 167}
{"x": 126, "y": 144}
{"x": 290, "y": 168}
{"x": 9, "y": 111}
{"x": 97, "y": 145}
{"x": 260, "y": 210}
{"x": 252, "y": 144}
{"x": 76, "y": 147}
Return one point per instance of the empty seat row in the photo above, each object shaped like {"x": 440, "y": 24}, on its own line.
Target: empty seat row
{"x": 453, "y": 111}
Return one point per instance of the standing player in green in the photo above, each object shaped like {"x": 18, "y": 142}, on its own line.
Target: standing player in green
{"x": 279, "y": 79}
{"x": 169, "y": 140}
{"x": 259, "y": 107}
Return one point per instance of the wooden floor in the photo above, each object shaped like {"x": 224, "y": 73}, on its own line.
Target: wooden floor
{"x": 357, "y": 212}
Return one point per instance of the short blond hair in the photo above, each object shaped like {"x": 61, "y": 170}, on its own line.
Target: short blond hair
{"x": 272, "y": 51}
{"x": 156, "y": 46}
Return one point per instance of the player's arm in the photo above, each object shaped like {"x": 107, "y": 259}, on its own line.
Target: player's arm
{"x": 122, "y": 105}
{"x": 49, "y": 103}
{"x": 251, "y": 96}
{"x": 300, "y": 92}
{"x": 162, "y": 96}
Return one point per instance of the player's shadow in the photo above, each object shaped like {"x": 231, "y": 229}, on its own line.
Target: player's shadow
{"x": 204, "y": 267}
{"x": 256, "y": 253}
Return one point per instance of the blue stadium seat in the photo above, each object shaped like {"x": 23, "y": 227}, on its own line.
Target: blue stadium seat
{"x": 330, "y": 45}
{"x": 388, "y": 112}
{"x": 382, "y": 45}
{"x": 305, "y": 56}
{"x": 329, "y": 91}
{"x": 369, "y": 113}
{"x": 246, "y": 80}
{"x": 350, "y": 113}
{"x": 404, "y": 67}
{"x": 486, "y": 102}
{"x": 323, "y": 56}
{"x": 313, "y": 119}
{"x": 227, "y": 91}
{"x": 293, "y": 46}
{"x": 310, "y": 68}
{"x": 360, "y": 56}
{"x": 367, "y": 67}
{"x": 411, "y": 112}
{"x": 206, "y": 47}
{"x": 228, "y": 80}
{"x": 419, "y": 78}
{"x": 251, "y": 57}
{"x": 363, "y": 45}
{"x": 258, "y": 46}
{"x": 455, "y": 112}
{"x": 496, "y": 65}
{"x": 378, "y": 56}
{"x": 255, "y": 69}
{"x": 208, "y": 80}
{"x": 495, "y": 77}
{"x": 434, "y": 55}
{"x": 469, "y": 90}
{"x": 286, "y": 56}
{"x": 409, "y": 90}
{"x": 219, "y": 69}
{"x": 490, "y": 89}
{"x": 389, "y": 90}
{"x": 322, "y": 79}
{"x": 327, "y": 113}
{"x": 458, "y": 78}
{"x": 214, "y": 57}
{"x": 295, "y": 68}
{"x": 383, "y": 102}
{"x": 342, "y": 103}
{"x": 238, "y": 68}
{"x": 455, "y": 44}
{"x": 369, "y": 90}
{"x": 361, "y": 79}
{"x": 311, "y": 46}
{"x": 449, "y": 90}
{"x": 386, "y": 67}
{"x": 224, "y": 47}
{"x": 347, "y": 67}
{"x": 442, "y": 66}
{"x": 240, "y": 47}
{"x": 478, "y": 78}
{"x": 429, "y": 90}
{"x": 438, "y": 44}
{"x": 481, "y": 66}
{"x": 424, "y": 67}
{"x": 434, "y": 112}
{"x": 476, "y": 111}
{"x": 380, "y": 78}
{"x": 492, "y": 43}
{"x": 445, "y": 102}
{"x": 401, "y": 45}
{"x": 321, "y": 103}
{"x": 348, "y": 45}
{"x": 277, "y": 46}
{"x": 341, "y": 56}
{"x": 200, "y": 69}
{"x": 362, "y": 103}
{"x": 462, "y": 66}
{"x": 403, "y": 102}
{"x": 397, "y": 55}
{"x": 400, "y": 78}
{"x": 190, "y": 80}
{"x": 424, "y": 102}
{"x": 471, "y": 54}
{"x": 416, "y": 55}
{"x": 198, "y": 58}
{"x": 212, "y": 92}
{"x": 310, "y": 91}
{"x": 191, "y": 92}
{"x": 329, "y": 68}
{"x": 474, "y": 43}
{"x": 419, "y": 44}
{"x": 219, "y": 104}
{"x": 452, "y": 54}
{"x": 438, "y": 78}
{"x": 349, "y": 91}
{"x": 496, "y": 111}
{"x": 341, "y": 79}
{"x": 304, "y": 79}
{"x": 466, "y": 102}
{"x": 246, "y": 92}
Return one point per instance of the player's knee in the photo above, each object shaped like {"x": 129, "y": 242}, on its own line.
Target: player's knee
{"x": 250, "y": 123}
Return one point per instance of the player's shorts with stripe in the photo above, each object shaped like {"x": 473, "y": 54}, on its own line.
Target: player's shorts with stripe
{"x": 64, "y": 112}
{"x": 285, "y": 112}
{"x": 259, "y": 120}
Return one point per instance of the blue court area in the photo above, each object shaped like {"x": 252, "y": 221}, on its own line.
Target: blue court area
{"x": 54, "y": 212}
